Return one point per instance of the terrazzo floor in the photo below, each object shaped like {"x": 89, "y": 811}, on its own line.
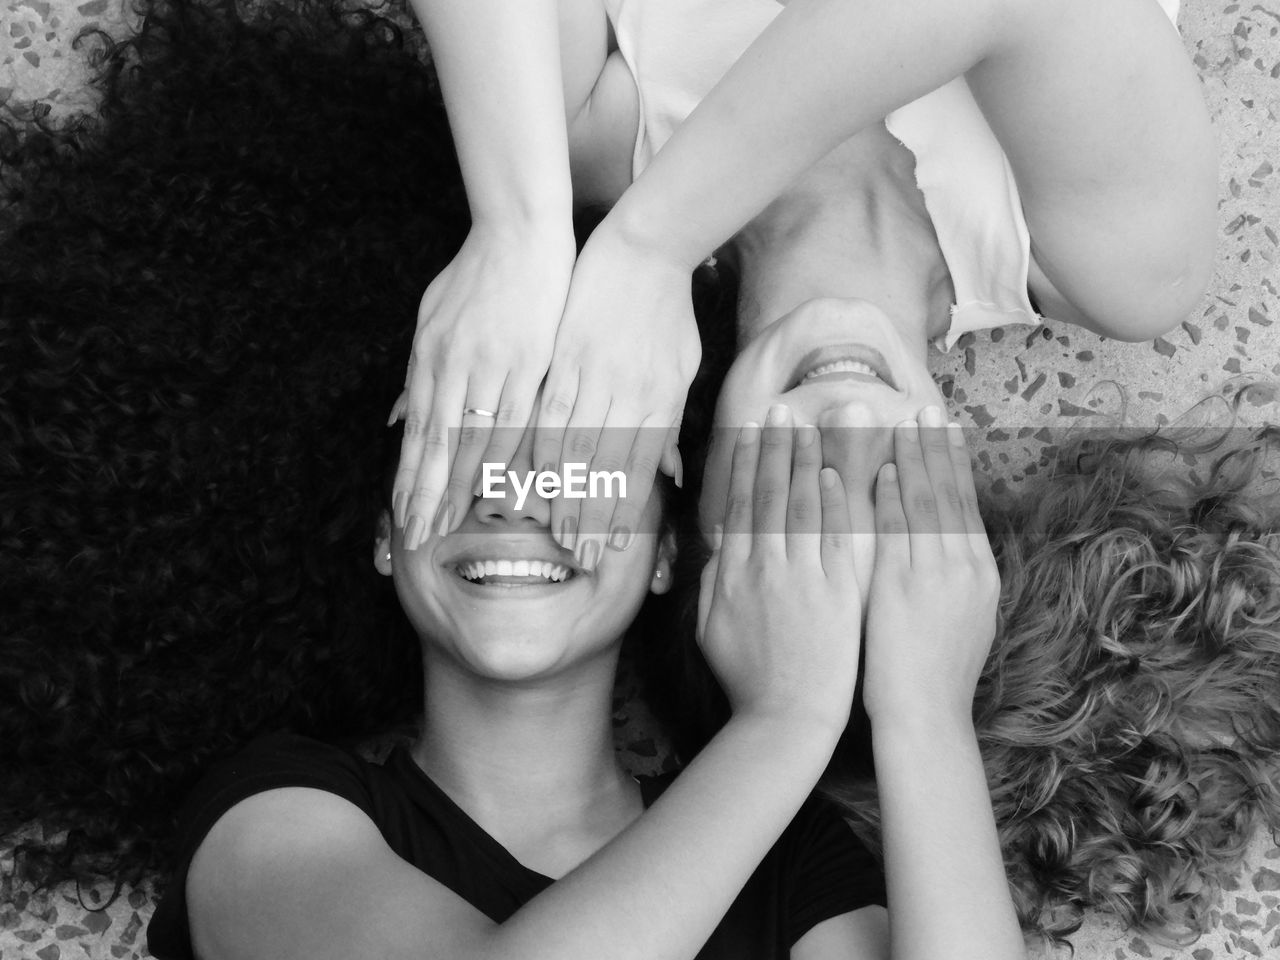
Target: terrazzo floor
{"x": 1018, "y": 389}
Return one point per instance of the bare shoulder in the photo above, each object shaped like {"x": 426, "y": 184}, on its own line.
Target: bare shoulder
{"x": 1100, "y": 112}
{"x": 298, "y": 872}
{"x": 862, "y": 933}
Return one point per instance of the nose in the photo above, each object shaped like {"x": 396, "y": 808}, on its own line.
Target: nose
{"x": 512, "y": 496}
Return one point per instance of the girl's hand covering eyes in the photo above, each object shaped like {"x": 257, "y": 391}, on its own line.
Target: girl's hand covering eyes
{"x": 931, "y": 614}
{"x": 486, "y": 328}
{"x": 625, "y": 354}
{"x": 779, "y": 613}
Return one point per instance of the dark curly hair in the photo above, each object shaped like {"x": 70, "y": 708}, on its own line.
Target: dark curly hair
{"x": 206, "y": 296}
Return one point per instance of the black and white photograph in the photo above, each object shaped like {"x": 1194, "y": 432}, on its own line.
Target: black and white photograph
{"x": 639, "y": 479}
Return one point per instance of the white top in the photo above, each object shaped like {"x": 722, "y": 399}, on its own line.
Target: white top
{"x": 677, "y": 50}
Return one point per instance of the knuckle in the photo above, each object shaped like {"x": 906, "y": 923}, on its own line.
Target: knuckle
{"x": 472, "y": 435}
{"x": 508, "y": 412}
{"x": 894, "y": 526}
{"x": 738, "y": 506}
{"x": 582, "y": 445}
{"x": 766, "y": 497}
{"x": 607, "y": 462}
{"x": 414, "y": 425}
{"x": 924, "y": 504}
{"x": 801, "y": 509}
{"x": 643, "y": 464}
{"x": 558, "y": 404}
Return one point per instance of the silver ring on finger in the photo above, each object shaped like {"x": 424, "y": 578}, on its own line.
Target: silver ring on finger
{"x": 479, "y": 413}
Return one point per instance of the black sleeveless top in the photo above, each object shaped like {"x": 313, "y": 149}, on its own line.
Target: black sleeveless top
{"x": 817, "y": 869}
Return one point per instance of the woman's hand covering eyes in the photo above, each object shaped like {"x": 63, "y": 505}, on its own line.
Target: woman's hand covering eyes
{"x": 625, "y": 354}
{"x": 779, "y": 610}
{"x": 486, "y": 327}
{"x": 931, "y": 615}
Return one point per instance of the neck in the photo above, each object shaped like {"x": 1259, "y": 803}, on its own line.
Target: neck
{"x": 523, "y": 760}
{"x": 854, "y": 226}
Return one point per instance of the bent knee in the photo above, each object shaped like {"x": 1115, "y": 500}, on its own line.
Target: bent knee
{"x": 1152, "y": 310}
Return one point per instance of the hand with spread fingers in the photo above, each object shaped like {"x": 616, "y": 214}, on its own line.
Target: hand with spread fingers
{"x": 779, "y": 611}
{"x": 486, "y": 328}
{"x": 626, "y": 351}
{"x": 931, "y": 613}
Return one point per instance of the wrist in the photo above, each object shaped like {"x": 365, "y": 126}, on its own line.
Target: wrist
{"x": 649, "y": 235}
{"x": 923, "y": 727}
{"x": 796, "y": 721}
{"x": 539, "y": 230}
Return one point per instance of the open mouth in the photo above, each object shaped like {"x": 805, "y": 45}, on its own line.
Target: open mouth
{"x": 514, "y": 573}
{"x": 847, "y": 361}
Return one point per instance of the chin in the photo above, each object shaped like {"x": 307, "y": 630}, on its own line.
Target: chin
{"x": 510, "y": 656}
{"x": 518, "y": 656}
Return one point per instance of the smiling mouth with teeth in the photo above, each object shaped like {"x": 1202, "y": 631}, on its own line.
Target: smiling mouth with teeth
{"x": 513, "y": 572}
{"x": 840, "y": 366}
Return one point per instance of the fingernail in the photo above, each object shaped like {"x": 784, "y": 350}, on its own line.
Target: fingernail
{"x": 907, "y": 430}
{"x": 413, "y": 533}
{"x": 620, "y": 538}
{"x": 827, "y": 477}
{"x": 679, "y": 477}
{"x": 955, "y": 434}
{"x": 777, "y": 415}
{"x": 588, "y": 554}
{"x": 806, "y": 435}
{"x": 395, "y": 411}
{"x": 569, "y": 532}
{"x": 889, "y": 472}
{"x": 749, "y": 432}
{"x": 398, "y": 505}
{"x": 547, "y": 467}
{"x": 444, "y": 519}
{"x": 931, "y": 416}
{"x": 717, "y": 535}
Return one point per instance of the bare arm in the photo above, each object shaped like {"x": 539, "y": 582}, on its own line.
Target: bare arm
{"x": 930, "y": 624}
{"x": 1112, "y": 150}
{"x": 299, "y": 873}
{"x": 500, "y": 72}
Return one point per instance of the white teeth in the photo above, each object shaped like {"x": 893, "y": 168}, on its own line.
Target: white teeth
{"x": 841, "y": 366}
{"x": 479, "y": 569}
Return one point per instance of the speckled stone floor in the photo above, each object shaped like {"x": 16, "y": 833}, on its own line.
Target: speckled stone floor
{"x": 1018, "y": 389}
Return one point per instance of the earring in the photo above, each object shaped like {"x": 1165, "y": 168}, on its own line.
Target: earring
{"x": 388, "y": 556}
{"x": 657, "y": 574}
